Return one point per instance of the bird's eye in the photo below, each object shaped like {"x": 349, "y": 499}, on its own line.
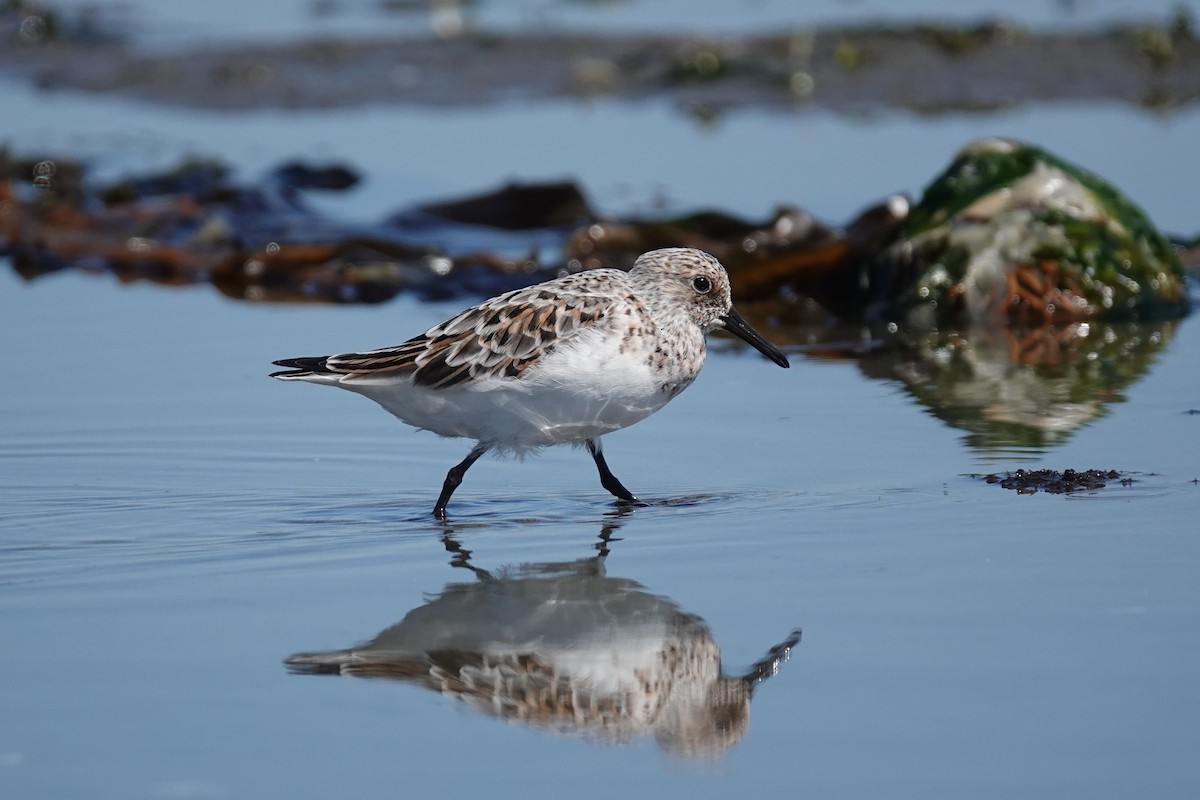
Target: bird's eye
{"x": 701, "y": 284}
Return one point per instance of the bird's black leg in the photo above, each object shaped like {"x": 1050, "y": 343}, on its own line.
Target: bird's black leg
{"x": 607, "y": 479}
{"x": 455, "y": 477}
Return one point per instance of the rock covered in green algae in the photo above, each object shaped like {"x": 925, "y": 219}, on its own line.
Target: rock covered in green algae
{"x": 1010, "y": 233}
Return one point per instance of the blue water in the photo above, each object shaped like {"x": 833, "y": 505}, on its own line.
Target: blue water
{"x": 174, "y": 524}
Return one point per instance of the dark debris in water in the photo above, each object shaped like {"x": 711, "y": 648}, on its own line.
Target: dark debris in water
{"x": 927, "y": 68}
{"x": 261, "y": 240}
{"x": 1053, "y": 481}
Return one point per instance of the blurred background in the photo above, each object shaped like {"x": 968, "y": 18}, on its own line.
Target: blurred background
{"x": 830, "y": 147}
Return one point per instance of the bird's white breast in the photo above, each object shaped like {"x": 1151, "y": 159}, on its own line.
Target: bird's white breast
{"x": 591, "y": 385}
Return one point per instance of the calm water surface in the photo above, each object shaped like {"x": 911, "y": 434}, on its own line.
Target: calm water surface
{"x": 175, "y": 525}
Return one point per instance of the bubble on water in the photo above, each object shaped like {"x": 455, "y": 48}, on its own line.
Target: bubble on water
{"x": 33, "y": 29}
{"x": 43, "y": 174}
{"x": 273, "y": 248}
{"x": 801, "y": 84}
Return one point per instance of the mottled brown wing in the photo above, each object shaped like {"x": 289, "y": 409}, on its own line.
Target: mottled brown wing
{"x": 499, "y": 338}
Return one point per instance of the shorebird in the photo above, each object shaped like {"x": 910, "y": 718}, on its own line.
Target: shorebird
{"x": 561, "y": 362}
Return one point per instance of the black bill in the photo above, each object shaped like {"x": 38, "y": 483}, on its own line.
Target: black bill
{"x": 734, "y": 323}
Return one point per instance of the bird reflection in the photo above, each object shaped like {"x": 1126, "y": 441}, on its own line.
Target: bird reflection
{"x": 565, "y": 648}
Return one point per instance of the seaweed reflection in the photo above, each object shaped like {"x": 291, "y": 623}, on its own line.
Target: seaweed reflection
{"x": 565, "y": 648}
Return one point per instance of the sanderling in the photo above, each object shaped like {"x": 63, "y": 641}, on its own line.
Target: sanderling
{"x": 561, "y": 362}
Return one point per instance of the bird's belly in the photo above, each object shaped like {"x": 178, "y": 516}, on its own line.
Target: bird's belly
{"x": 576, "y": 393}
{"x": 515, "y": 415}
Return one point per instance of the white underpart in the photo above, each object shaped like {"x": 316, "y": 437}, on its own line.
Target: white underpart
{"x": 582, "y": 389}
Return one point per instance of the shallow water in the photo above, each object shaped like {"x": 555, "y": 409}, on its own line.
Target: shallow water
{"x": 176, "y": 524}
{"x": 173, "y": 524}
